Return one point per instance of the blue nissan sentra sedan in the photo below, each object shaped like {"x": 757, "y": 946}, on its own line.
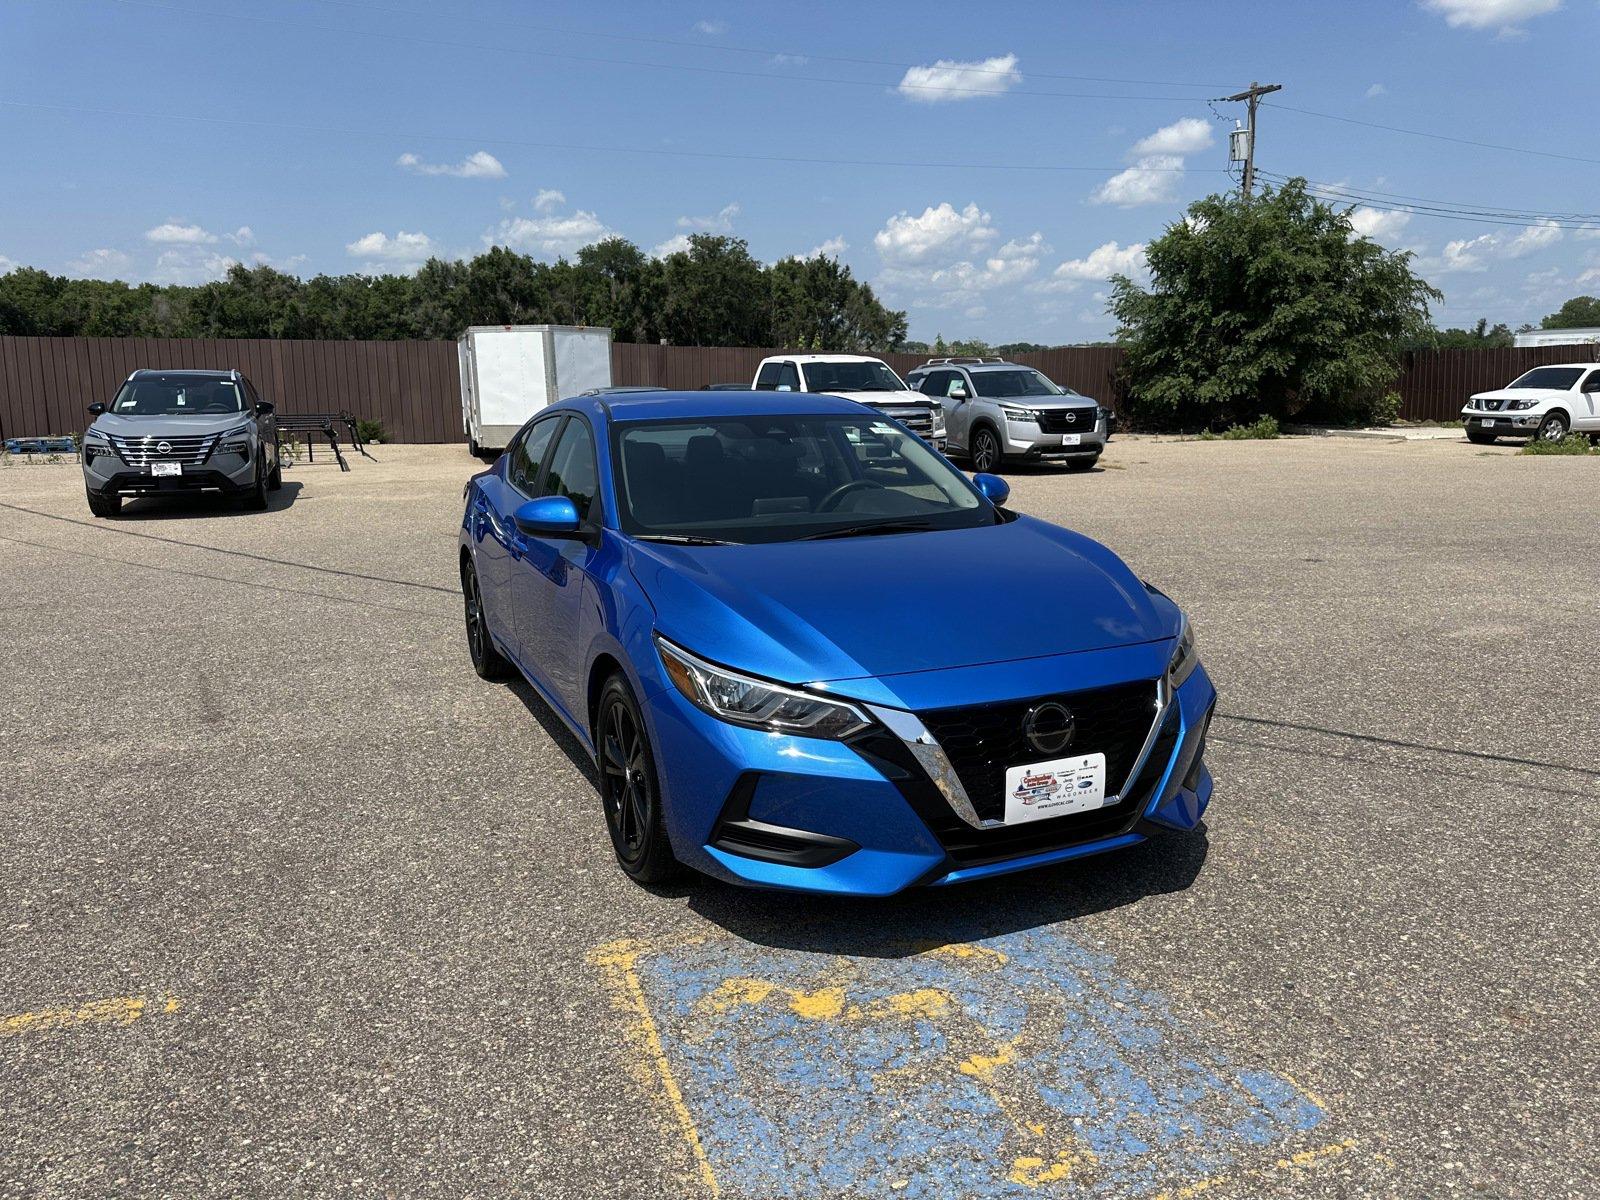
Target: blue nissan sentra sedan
{"x": 806, "y": 652}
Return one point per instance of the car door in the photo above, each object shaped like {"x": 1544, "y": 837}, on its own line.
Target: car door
{"x": 500, "y": 492}
{"x": 934, "y": 385}
{"x": 1587, "y": 418}
{"x": 549, "y": 574}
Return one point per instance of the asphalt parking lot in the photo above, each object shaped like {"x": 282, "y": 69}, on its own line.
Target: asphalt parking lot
{"x": 296, "y": 904}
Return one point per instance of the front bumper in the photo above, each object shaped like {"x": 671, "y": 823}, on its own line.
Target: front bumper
{"x": 110, "y": 476}
{"x": 1502, "y": 424}
{"x": 1021, "y": 442}
{"x": 863, "y": 818}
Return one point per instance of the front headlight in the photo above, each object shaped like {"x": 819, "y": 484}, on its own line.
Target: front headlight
{"x": 755, "y": 703}
{"x": 1022, "y": 416}
{"x": 1519, "y": 405}
{"x": 1184, "y": 659}
{"x": 236, "y": 441}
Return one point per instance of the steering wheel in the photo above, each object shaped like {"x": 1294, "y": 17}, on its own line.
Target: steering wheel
{"x": 216, "y": 408}
{"x": 831, "y": 501}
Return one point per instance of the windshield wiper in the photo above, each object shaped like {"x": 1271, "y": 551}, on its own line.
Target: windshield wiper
{"x": 906, "y": 525}
{"x": 682, "y": 539}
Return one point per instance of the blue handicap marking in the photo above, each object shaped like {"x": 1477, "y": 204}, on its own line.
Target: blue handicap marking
{"x": 1021, "y": 1065}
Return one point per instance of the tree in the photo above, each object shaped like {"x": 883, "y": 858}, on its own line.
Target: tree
{"x": 715, "y": 294}
{"x": 1479, "y": 337}
{"x": 1264, "y": 306}
{"x": 1581, "y": 312}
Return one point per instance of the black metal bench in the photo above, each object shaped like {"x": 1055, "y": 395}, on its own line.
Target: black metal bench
{"x": 326, "y": 424}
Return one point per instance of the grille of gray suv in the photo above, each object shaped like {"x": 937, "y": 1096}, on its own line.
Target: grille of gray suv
{"x": 189, "y": 450}
{"x": 916, "y": 417}
{"x": 1067, "y": 420}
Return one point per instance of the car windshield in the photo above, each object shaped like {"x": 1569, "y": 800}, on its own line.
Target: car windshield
{"x": 177, "y": 395}
{"x": 1561, "y": 378}
{"x": 851, "y": 377}
{"x": 1021, "y": 382}
{"x": 782, "y": 478}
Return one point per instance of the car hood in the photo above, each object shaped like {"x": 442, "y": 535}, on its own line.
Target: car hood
{"x": 188, "y": 426}
{"x": 882, "y": 399}
{"x": 850, "y": 608}
{"x": 1522, "y": 394}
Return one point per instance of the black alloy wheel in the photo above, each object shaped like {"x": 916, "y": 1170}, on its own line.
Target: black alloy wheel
{"x": 628, "y": 789}
{"x": 488, "y": 662}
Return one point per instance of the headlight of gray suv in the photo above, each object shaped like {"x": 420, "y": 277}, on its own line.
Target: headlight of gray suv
{"x": 1184, "y": 659}
{"x": 743, "y": 700}
{"x": 1022, "y": 416}
{"x": 236, "y": 441}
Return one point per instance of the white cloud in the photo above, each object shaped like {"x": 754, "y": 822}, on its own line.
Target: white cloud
{"x": 1184, "y": 136}
{"x": 1475, "y": 254}
{"x": 190, "y": 265}
{"x": 677, "y": 244}
{"x": 940, "y": 232}
{"x": 1101, "y": 263}
{"x": 720, "y": 222}
{"x": 711, "y": 28}
{"x": 948, "y": 79}
{"x": 1151, "y": 180}
{"x": 551, "y": 235}
{"x": 402, "y": 252}
{"x": 1376, "y": 90}
{"x": 788, "y": 60}
{"x": 1377, "y": 224}
{"x": 548, "y": 198}
{"x": 97, "y": 264}
{"x": 173, "y": 234}
{"x": 1504, "y": 15}
{"x": 1592, "y": 275}
{"x": 1533, "y": 239}
{"x": 480, "y": 164}
{"x": 832, "y": 248}
{"x": 8, "y": 264}
{"x": 242, "y": 236}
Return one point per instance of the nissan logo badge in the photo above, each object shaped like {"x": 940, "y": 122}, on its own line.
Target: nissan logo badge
{"x": 1049, "y": 727}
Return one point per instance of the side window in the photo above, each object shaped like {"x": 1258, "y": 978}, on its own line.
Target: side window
{"x": 572, "y": 472}
{"x": 767, "y": 378}
{"x": 789, "y": 377}
{"x": 934, "y": 383}
{"x": 957, "y": 379}
{"x": 527, "y": 453}
{"x": 1592, "y": 384}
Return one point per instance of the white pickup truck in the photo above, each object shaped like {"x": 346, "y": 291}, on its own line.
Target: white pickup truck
{"x": 1546, "y": 402}
{"x": 855, "y": 377}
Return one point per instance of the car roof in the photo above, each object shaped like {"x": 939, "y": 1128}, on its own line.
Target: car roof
{"x": 207, "y": 372}
{"x": 678, "y": 406}
{"x": 1582, "y": 366}
{"x": 805, "y": 358}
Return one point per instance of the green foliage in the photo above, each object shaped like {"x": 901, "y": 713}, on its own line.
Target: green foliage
{"x": 1581, "y": 312}
{"x": 371, "y": 431}
{"x": 1264, "y": 305}
{"x": 1387, "y": 409}
{"x": 1573, "y": 443}
{"x": 1479, "y": 337}
{"x": 1261, "y": 429}
{"x": 712, "y": 294}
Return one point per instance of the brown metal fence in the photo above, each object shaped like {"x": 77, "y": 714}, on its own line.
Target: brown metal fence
{"x": 413, "y": 387}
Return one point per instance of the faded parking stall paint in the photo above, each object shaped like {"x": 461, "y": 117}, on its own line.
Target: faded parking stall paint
{"x": 1003, "y": 1068}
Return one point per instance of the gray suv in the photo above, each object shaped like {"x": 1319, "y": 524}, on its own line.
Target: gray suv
{"x": 181, "y": 431}
{"x": 997, "y": 411}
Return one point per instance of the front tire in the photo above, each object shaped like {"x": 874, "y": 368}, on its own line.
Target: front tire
{"x": 986, "y": 452}
{"x": 629, "y": 790}
{"x": 275, "y": 478}
{"x": 103, "y": 506}
{"x": 488, "y": 662}
{"x": 1553, "y": 428}
{"x": 256, "y": 498}
{"x": 1480, "y": 439}
{"x": 1082, "y": 464}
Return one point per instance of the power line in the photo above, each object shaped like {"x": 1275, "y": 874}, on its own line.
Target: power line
{"x": 651, "y": 66}
{"x": 479, "y": 139}
{"x": 789, "y": 52}
{"x": 1448, "y": 214}
{"x": 1441, "y": 137}
{"x": 1455, "y": 205}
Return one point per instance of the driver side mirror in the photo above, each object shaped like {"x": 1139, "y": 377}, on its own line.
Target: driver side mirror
{"x": 548, "y": 516}
{"x": 958, "y": 391}
{"x": 265, "y": 408}
{"x": 993, "y": 489}
{"x": 96, "y": 409}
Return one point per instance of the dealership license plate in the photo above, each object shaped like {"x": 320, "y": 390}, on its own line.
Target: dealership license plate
{"x": 1487, "y": 422}
{"x": 166, "y": 468}
{"x": 1055, "y": 788}
{"x": 1070, "y": 439}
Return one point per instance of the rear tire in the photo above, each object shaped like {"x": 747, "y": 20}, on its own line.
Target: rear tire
{"x": 986, "y": 453}
{"x": 630, "y": 793}
{"x": 103, "y": 506}
{"x": 488, "y": 662}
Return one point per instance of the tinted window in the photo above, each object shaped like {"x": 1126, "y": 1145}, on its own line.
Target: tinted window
{"x": 178, "y": 395}
{"x": 851, "y": 377}
{"x": 934, "y": 383}
{"x": 767, "y": 378}
{"x": 1548, "y": 377}
{"x": 572, "y": 470}
{"x": 1021, "y": 382}
{"x": 527, "y": 454}
{"x": 1592, "y": 384}
{"x": 769, "y": 479}
{"x": 788, "y": 377}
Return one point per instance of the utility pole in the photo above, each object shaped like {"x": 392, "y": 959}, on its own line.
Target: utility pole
{"x": 1252, "y": 97}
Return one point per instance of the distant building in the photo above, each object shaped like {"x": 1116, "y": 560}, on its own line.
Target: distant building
{"x": 1559, "y": 337}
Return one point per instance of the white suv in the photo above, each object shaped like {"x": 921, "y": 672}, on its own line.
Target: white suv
{"x": 1546, "y": 402}
{"x": 855, "y": 377}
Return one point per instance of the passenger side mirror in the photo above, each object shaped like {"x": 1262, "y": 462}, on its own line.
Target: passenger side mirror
{"x": 994, "y": 489}
{"x": 958, "y": 391}
{"x": 265, "y": 408}
{"x": 96, "y": 409}
{"x": 548, "y": 516}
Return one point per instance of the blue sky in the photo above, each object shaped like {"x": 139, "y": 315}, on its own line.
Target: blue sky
{"x": 162, "y": 139}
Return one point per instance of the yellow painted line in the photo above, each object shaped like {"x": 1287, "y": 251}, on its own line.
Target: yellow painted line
{"x": 118, "y": 1010}
{"x": 1301, "y": 1160}
{"x": 620, "y": 961}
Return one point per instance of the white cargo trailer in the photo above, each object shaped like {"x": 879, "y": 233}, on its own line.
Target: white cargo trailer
{"x": 509, "y": 372}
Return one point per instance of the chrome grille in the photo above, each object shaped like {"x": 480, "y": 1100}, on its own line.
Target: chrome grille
{"x": 916, "y": 417}
{"x": 190, "y": 450}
